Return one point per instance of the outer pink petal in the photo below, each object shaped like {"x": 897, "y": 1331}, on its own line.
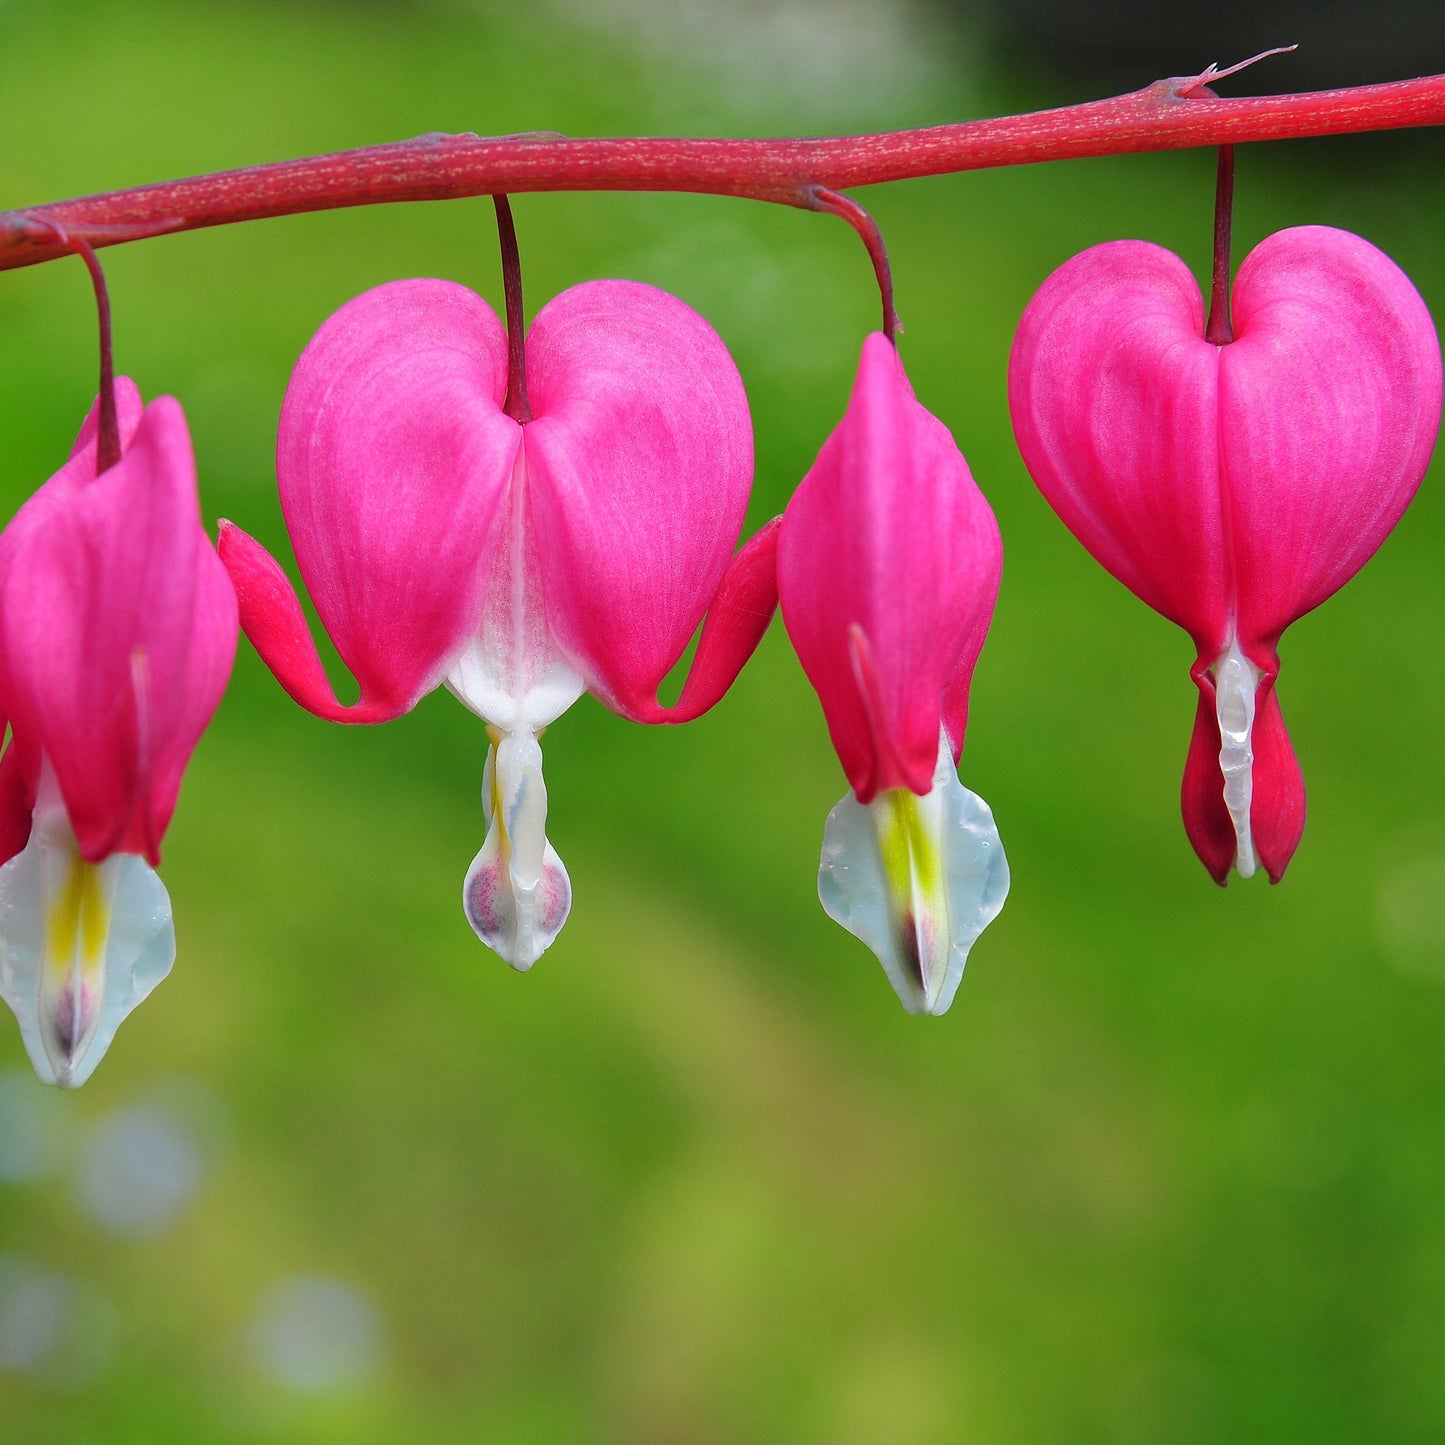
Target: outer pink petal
{"x": 1329, "y": 406}
{"x": 19, "y": 774}
{"x": 888, "y": 567}
{"x": 99, "y": 612}
{"x": 1114, "y": 397}
{"x": 1206, "y": 818}
{"x": 393, "y": 456}
{"x": 208, "y": 669}
{"x": 639, "y": 462}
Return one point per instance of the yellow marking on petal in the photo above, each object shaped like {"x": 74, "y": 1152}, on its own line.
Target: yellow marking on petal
{"x": 504, "y": 843}
{"x": 910, "y": 854}
{"x": 79, "y": 920}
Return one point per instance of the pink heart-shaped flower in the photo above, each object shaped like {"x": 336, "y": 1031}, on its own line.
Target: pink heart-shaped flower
{"x": 1232, "y": 488}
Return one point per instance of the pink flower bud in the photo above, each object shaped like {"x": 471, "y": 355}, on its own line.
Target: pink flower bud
{"x": 888, "y": 567}
{"x": 117, "y": 632}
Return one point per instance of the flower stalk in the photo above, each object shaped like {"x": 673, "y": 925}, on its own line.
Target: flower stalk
{"x": 1219, "y": 331}
{"x": 516, "y": 404}
{"x": 1171, "y": 114}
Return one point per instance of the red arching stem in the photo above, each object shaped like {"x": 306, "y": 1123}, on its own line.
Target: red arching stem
{"x": 516, "y": 406}
{"x": 1220, "y": 331}
{"x": 1168, "y": 115}
{"x": 867, "y": 228}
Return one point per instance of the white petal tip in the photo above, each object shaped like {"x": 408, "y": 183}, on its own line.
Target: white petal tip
{"x": 519, "y": 924}
{"x": 516, "y": 895}
{"x": 81, "y": 945}
{"x": 917, "y": 879}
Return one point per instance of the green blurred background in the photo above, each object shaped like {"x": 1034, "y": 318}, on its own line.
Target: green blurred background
{"x": 1172, "y": 1168}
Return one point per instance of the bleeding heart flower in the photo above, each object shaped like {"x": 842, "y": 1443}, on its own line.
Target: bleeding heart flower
{"x": 519, "y": 563}
{"x": 1231, "y": 487}
{"x": 117, "y": 632}
{"x": 888, "y": 568}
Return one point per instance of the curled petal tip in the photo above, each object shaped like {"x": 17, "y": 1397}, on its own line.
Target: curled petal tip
{"x": 271, "y": 617}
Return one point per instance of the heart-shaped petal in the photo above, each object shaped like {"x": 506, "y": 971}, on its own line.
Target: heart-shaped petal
{"x": 639, "y": 463}
{"x": 1115, "y": 398}
{"x": 394, "y": 454}
{"x": 1329, "y": 403}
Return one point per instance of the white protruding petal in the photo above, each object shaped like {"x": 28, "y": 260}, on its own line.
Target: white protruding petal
{"x": 517, "y": 893}
{"x": 477, "y": 682}
{"x": 1236, "y": 680}
{"x": 917, "y": 879}
{"x": 81, "y": 944}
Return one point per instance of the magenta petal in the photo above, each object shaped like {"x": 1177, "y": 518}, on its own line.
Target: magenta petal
{"x": 1114, "y": 396}
{"x": 100, "y": 616}
{"x": 393, "y": 456}
{"x": 740, "y": 612}
{"x": 1277, "y": 810}
{"x": 208, "y": 670}
{"x": 888, "y": 567}
{"x": 1277, "y": 817}
{"x": 19, "y": 774}
{"x": 1329, "y": 405}
{"x": 1206, "y": 819}
{"x": 639, "y": 460}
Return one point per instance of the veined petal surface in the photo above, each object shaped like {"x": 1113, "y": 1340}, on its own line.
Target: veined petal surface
{"x": 1329, "y": 406}
{"x": 888, "y": 567}
{"x": 1115, "y": 399}
{"x": 639, "y": 462}
{"x": 393, "y": 457}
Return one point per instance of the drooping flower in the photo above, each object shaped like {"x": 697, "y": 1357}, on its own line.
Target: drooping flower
{"x": 888, "y": 568}
{"x": 519, "y": 563}
{"x": 117, "y": 633}
{"x": 1231, "y": 487}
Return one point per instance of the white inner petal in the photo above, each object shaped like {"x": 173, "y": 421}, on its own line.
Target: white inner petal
{"x": 917, "y": 879}
{"x": 516, "y": 894}
{"x": 511, "y": 673}
{"x": 81, "y": 944}
{"x": 1236, "y": 681}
